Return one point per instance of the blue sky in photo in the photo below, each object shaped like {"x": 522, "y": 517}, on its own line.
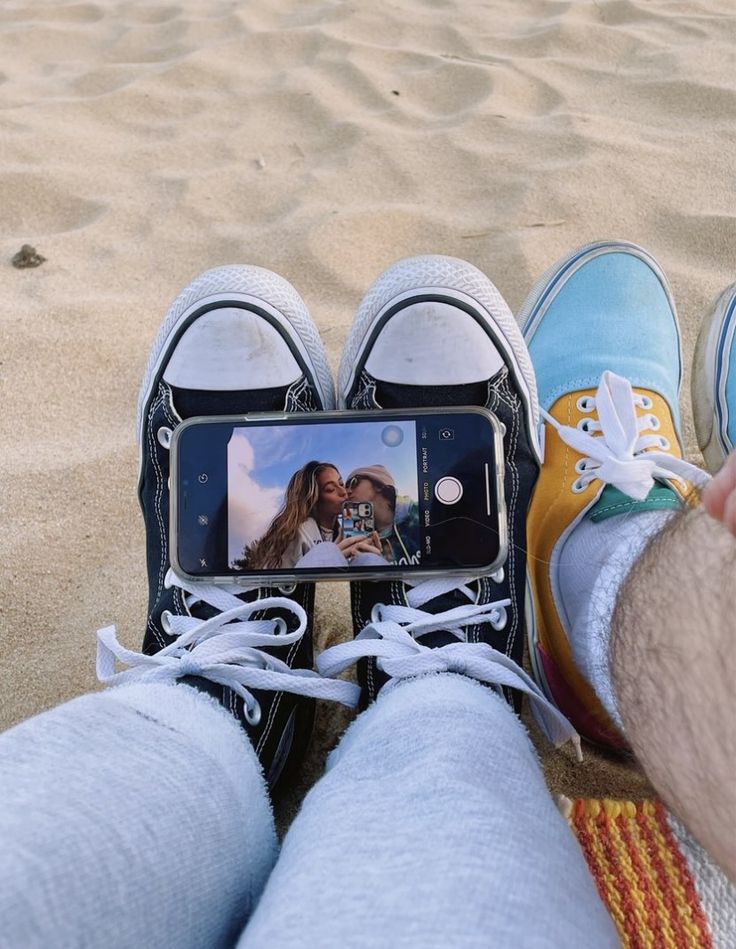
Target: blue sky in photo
{"x": 279, "y": 452}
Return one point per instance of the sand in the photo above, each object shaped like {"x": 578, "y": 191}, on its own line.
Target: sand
{"x": 143, "y": 142}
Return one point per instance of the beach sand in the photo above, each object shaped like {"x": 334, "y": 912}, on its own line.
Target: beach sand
{"x": 143, "y": 142}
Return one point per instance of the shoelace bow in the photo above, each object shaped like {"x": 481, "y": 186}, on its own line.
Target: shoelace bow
{"x": 225, "y": 649}
{"x": 619, "y": 456}
{"x": 392, "y": 638}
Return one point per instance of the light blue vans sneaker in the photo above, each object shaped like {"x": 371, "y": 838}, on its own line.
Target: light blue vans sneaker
{"x": 603, "y": 336}
{"x": 714, "y": 381}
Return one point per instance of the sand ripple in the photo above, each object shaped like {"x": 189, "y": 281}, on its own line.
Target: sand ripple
{"x": 143, "y": 142}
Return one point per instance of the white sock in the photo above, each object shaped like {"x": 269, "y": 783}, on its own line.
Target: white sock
{"x": 593, "y": 565}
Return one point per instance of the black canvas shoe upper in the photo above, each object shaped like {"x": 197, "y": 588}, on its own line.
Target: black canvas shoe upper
{"x": 282, "y": 731}
{"x": 286, "y": 721}
{"x": 501, "y": 396}
{"x": 434, "y": 332}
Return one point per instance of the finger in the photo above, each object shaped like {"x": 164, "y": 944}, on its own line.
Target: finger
{"x": 368, "y": 544}
{"x": 716, "y": 492}
{"x": 350, "y": 543}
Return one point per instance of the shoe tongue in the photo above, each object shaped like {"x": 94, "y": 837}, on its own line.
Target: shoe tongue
{"x": 395, "y": 395}
{"x": 447, "y": 601}
{"x": 191, "y": 402}
{"x": 613, "y": 502}
{"x": 204, "y": 611}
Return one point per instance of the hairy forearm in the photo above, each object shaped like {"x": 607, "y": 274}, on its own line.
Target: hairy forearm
{"x": 673, "y": 657}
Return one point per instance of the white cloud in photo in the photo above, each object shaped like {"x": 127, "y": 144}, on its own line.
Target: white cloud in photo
{"x": 251, "y": 507}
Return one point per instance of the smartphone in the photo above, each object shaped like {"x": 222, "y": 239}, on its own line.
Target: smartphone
{"x": 260, "y": 498}
{"x": 356, "y": 519}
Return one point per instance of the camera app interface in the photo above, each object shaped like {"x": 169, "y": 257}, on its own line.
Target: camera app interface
{"x": 272, "y": 497}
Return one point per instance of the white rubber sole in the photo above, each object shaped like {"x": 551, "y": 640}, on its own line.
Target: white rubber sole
{"x": 249, "y": 285}
{"x": 711, "y": 366}
{"x": 456, "y": 280}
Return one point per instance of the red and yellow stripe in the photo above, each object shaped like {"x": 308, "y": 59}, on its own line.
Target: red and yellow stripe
{"x": 641, "y": 874}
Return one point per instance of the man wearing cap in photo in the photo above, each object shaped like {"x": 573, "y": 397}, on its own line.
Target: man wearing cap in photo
{"x": 396, "y": 518}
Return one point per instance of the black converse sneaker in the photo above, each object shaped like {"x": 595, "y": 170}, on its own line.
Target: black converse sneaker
{"x": 236, "y": 340}
{"x": 434, "y": 331}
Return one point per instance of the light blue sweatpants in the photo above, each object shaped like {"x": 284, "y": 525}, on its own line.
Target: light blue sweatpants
{"x": 139, "y": 817}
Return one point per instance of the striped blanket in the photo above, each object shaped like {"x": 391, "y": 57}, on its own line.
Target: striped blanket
{"x": 658, "y": 884}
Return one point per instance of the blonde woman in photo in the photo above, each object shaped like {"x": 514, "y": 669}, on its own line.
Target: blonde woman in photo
{"x": 308, "y": 516}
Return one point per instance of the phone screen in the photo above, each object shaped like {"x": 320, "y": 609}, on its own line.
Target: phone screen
{"x": 355, "y": 493}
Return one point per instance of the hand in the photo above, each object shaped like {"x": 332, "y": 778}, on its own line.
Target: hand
{"x": 719, "y": 495}
{"x": 350, "y": 546}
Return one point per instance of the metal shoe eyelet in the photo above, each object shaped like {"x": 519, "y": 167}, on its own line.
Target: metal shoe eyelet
{"x": 279, "y": 626}
{"x": 164, "y": 436}
{"x": 253, "y": 715}
{"x": 287, "y": 588}
{"x": 654, "y": 423}
{"x": 376, "y": 613}
{"x": 580, "y": 466}
{"x": 583, "y": 425}
{"x": 646, "y": 402}
{"x": 578, "y": 487}
{"x": 499, "y": 621}
{"x": 584, "y": 404}
{"x": 166, "y": 622}
{"x": 664, "y": 442}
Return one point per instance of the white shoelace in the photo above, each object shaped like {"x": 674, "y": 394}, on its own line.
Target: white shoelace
{"x": 392, "y": 639}
{"x": 619, "y": 456}
{"x": 225, "y": 649}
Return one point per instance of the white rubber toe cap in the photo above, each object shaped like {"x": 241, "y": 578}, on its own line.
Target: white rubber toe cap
{"x": 433, "y": 343}
{"x": 231, "y": 349}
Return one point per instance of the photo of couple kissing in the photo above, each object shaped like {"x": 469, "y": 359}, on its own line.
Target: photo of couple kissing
{"x": 307, "y": 531}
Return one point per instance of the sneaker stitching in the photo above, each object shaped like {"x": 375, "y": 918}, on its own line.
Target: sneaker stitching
{"x": 370, "y": 682}
{"x": 158, "y": 635}
{"x": 167, "y": 403}
{"x": 159, "y": 491}
{"x": 172, "y": 416}
{"x": 492, "y": 400}
{"x": 277, "y": 699}
{"x": 515, "y": 408}
{"x": 654, "y": 503}
{"x": 279, "y": 695}
{"x": 293, "y": 401}
{"x": 365, "y": 396}
{"x": 269, "y": 723}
